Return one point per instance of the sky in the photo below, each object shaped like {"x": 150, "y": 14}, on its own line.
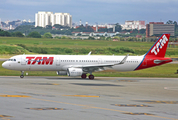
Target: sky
{"x": 93, "y": 11}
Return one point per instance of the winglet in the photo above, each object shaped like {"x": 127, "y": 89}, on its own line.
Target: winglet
{"x": 123, "y": 61}
{"x": 89, "y": 53}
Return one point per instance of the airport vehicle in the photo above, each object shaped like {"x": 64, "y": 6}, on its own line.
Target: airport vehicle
{"x": 80, "y": 65}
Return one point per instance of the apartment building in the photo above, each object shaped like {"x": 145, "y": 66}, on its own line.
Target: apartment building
{"x": 48, "y": 18}
{"x": 130, "y": 25}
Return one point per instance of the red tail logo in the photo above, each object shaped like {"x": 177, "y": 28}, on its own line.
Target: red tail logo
{"x": 159, "y": 48}
{"x": 40, "y": 60}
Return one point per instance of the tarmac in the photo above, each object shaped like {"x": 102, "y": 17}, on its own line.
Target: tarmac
{"x": 105, "y": 98}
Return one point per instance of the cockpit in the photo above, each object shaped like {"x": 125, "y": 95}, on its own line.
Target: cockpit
{"x": 11, "y": 60}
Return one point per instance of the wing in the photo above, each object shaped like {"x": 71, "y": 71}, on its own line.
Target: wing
{"x": 99, "y": 67}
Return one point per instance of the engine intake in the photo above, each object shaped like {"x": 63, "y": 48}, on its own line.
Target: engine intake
{"x": 74, "y": 72}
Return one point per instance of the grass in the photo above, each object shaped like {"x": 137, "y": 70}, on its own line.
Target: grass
{"x": 52, "y": 46}
{"x": 164, "y": 71}
{"x": 51, "y": 43}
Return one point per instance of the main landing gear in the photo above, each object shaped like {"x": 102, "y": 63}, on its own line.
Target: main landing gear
{"x": 91, "y": 77}
{"x": 22, "y": 76}
{"x": 83, "y": 76}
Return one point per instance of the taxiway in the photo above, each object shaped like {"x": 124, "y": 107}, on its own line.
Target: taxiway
{"x": 105, "y": 98}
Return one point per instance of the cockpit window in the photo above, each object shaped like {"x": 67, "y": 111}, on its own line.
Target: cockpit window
{"x": 11, "y": 60}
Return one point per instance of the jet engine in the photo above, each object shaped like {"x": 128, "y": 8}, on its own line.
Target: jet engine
{"x": 61, "y": 72}
{"x": 74, "y": 72}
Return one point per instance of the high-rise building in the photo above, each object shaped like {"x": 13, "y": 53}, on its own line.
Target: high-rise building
{"x": 48, "y": 18}
{"x": 43, "y": 18}
{"x": 157, "y": 28}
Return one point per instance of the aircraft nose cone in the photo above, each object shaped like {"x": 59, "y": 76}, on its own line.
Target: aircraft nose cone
{"x": 4, "y": 65}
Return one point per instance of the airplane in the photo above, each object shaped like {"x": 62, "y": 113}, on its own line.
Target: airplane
{"x": 80, "y": 65}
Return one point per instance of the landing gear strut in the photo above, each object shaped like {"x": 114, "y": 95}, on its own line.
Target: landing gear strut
{"x": 83, "y": 76}
{"x": 22, "y": 76}
{"x": 91, "y": 77}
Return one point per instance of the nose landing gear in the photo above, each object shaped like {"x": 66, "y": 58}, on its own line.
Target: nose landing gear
{"x": 22, "y": 76}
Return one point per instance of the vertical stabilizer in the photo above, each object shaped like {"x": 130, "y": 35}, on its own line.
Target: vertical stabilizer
{"x": 160, "y": 46}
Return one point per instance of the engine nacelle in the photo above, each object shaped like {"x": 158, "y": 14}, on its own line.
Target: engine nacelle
{"x": 61, "y": 72}
{"x": 74, "y": 72}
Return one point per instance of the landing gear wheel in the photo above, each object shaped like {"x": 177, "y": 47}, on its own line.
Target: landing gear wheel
{"x": 21, "y": 76}
{"x": 83, "y": 76}
{"x": 91, "y": 77}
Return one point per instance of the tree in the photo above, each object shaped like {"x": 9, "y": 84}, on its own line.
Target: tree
{"x": 4, "y": 33}
{"x": 47, "y": 35}
{"x": 103, "y": 30}
{"x": 102, "y": 38}
{"x": 175, "y": 23}
{"x": 17, "y": 34}
{"x": 91, "y": 38}
{"x": 57, "y": 37}
{"x": 142, "y": 31}
{"x": 109, "y": 38}
{"x": 117, "y": 37}
{"x": 67, "y": 32}
{"x": 169, "y": 22}
{"x": 58, "y": 26}
{"x": 63, "y": 37}
{"x": 48, "y": 27}
{"x": 34, "y": 34}
{"x": 82, "y": 28}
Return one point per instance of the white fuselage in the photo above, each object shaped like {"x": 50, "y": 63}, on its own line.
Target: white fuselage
{"x": 62, "y": 62}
